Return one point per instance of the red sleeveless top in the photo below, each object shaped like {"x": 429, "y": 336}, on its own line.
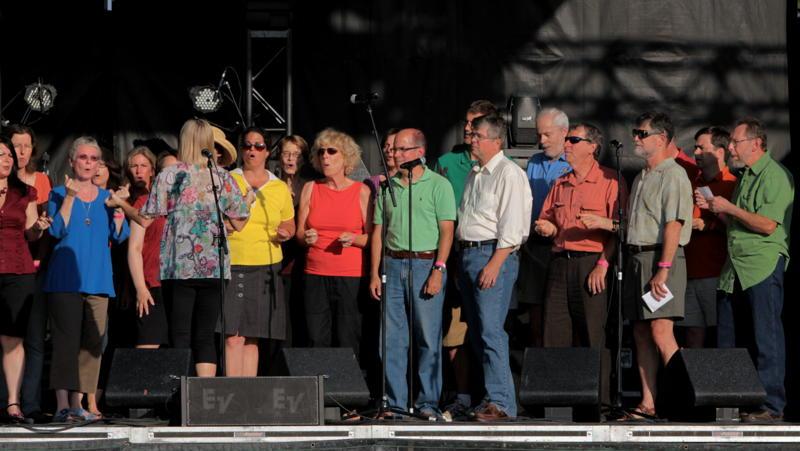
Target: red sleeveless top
{"x": 332, "y": 213}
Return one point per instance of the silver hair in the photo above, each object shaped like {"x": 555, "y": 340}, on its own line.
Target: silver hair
{"x": 83, "y": 141}
{"x": 560, "y": 118}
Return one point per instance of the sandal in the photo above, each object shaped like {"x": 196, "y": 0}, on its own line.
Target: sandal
{"x": 64, "y": 416}
{"x": 639, "y": 414}
{"x": 84, "y": 415}
{"x": 17, "y": 417}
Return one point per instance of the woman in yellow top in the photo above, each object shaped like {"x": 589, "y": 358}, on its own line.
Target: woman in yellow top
{"x": 254, "y": 303}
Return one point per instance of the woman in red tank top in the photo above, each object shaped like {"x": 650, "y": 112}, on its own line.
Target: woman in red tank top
{"x": 333, "y": 222}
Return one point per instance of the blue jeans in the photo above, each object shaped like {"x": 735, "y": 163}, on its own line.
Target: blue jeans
{"x": 754, "y": 316}
{"x": 485, "y": 311}
{"x": 427, "y": 334}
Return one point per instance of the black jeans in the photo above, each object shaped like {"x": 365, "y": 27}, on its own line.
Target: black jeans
{"x": 194, "y": 315}
{"x": 332, "y": 313}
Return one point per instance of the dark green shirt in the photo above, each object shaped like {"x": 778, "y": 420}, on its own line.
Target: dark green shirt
{"x": 432, "y": 202}
{"x": 455, "y": 167}
{"x": 766, "y": 189}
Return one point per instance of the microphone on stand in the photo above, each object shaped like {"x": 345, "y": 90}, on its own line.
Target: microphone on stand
{"x": 615, "y": 144}
{"x": 408, "y": 165}
{"x": 207, "y": 153}
{"x": 357, "y": 99}
{"x": 222, "y": 79}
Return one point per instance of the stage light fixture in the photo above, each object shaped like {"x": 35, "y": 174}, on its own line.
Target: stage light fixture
{"x": 40, "y": 97}
{"x": 205, "y": 99}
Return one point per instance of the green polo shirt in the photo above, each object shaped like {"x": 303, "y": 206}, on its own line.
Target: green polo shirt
{"x": 455, "y": 167}
{"x": 433, "y": 201}
{"x": 767, "y": 189}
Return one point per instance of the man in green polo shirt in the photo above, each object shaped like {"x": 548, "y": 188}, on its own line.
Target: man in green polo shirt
{"x": 415, "y": 271}
{"x": 759, "y": 219}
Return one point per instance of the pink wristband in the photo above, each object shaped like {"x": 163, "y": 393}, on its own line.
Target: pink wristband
{"x": 665, "y": 264}
{"x": 440, "y": 264}
{"x": 602, "y": 262}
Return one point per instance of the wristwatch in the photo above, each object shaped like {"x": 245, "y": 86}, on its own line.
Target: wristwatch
{"x": 440, "y": 266}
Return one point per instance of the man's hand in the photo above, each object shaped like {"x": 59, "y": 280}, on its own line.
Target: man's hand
{"x": 719, "y": 204}
{"x": 658, "y": 284}
{"x": 433, "y": 285}
{"x": 597, "y": 279}
{"x": 488, "y": 276}
{"x": 596, "y": 222}
{"x": 544, "y": 228}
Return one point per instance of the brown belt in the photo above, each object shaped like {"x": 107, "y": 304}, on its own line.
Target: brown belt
{"x": 424, "y": 255}
{"x": 634, "y": 249}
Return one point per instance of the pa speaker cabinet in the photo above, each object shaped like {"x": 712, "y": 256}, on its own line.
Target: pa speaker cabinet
{"x": 562, "y": 377}
{"x": 344, "y": 383}
{"x": 522, "y": 124}
{"x": 696, "y": 381}
{"x": 252, "y": 401}
{"x": 142, "y": 378}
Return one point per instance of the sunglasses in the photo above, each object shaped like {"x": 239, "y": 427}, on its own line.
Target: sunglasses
{"x": 576, "y": 139}
{"x": 257, "y": 146}
{"x": 642, "y": 134}
{"x": 328, "y": 150}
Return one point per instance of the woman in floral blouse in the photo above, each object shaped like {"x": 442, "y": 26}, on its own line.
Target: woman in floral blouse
{"x": 189, "y": 254}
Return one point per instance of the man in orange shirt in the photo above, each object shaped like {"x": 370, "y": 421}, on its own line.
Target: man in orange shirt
{"x": 706, "y": 252}
{"x": 575, "y": 214}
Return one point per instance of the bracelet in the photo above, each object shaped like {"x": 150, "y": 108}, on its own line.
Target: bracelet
{"x": 602, "y": 262}
{"x": 119, "y": 215}
{"x": 440, "y": 263}
{"x": 665, "y": 265}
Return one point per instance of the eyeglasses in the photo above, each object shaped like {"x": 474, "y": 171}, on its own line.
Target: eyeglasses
{"x": 258, "y": 146}
{"x": 403, "y": 149}
{"x": 84, "y": 157}
{"x": 642, "y": 134}
{"x": 478, "y": 136}
{"x": 328, "y": 150}
{"x": 576, "y": 139}
{"x": 735, "y": 142}
{"x": 291, "y": 154}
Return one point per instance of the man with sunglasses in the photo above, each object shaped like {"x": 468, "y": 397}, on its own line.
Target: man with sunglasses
{"x": 659, "y": 225}
{"x": 421, "y": 257}
{"x": 494, "y": 221}
{"x": 542, "y": 170}
{"x": 575, "y": 304}
{"x": 759, "y": 219}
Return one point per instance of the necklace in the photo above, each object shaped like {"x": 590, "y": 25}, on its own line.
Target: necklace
{"x": 88, "y": 220}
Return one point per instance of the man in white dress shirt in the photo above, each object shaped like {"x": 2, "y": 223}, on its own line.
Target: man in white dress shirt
{"x": 494, "y": 220}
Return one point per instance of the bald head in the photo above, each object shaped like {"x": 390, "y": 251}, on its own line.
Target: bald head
{"x": 409, "y": 144}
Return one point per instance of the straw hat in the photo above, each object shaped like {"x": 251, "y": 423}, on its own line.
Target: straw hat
{"x": 227, "y": 151}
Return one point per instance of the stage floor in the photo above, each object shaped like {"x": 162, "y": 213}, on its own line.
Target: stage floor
{"x": 417, "y": 435}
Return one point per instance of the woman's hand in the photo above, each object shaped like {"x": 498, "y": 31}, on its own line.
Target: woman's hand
{"x": 311, "y": 236}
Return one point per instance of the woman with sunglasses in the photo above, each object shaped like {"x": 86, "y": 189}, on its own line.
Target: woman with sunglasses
{"x": 79, "y": 280}
{"x": 19, "y": 223}
{"x": 255, "y": 306}
{"x": 332, "y": 223}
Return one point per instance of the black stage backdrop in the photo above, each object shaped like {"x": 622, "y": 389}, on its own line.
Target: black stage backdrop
{"x": 125, "y": 73}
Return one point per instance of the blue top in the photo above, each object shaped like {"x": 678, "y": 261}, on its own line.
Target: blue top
{"x": 542, "y": 173}
{"x": 81, "y": 261}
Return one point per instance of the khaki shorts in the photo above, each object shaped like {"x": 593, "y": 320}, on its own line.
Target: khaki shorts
{"x": 456, "y": 332}
{"x": 639, "y": 270}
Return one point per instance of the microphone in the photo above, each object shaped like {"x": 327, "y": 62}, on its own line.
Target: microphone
{"x": 357, "y": 99}
{"x": 615, "y": 144}
{"x": 413, "y": 163}
{"x": 222, "y": 79}
{"x": 207, "y": 153}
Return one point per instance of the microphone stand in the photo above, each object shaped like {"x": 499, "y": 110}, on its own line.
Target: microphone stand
{"x": 620, "y": 268}
{"x": 222, "y": 249}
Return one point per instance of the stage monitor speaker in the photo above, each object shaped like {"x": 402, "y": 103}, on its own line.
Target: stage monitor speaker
{"x": 522, "y": 121}
{"x": 252, "y": 401}
{"x": 344, "y": 383}
{"x": 560, "y": 377}
{"x": 696, "y": 381}
{"x": 146, "y": 377}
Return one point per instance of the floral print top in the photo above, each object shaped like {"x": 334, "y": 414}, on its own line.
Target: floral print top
{"x": 183, "y": 194}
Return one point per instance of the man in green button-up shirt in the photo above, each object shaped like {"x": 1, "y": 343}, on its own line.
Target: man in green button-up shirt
{"x": 758, "y": 218}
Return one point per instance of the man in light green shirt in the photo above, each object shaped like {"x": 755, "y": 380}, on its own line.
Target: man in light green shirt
{"x": 759, "y": 219}
{"x": 415, "y": 271}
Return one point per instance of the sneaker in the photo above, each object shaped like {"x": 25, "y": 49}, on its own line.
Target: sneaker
{"x": 456, "y": 412}
{"x": 760, "y": 416}
{"x": 431, "y": 414}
